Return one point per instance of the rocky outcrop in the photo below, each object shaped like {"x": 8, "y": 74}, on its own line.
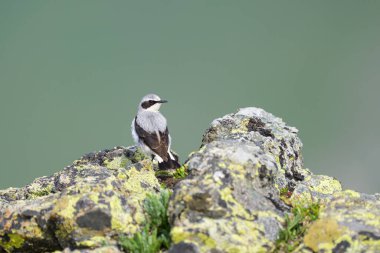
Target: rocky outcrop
{"x": 88, "y": 204}
{"x": 232, "y": 200}
{"x": 239, "y": 196}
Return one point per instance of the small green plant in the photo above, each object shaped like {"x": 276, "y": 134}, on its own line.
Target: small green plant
{"x": 302, "y": 214}
{"x": 141, "y": 242}
{"x": 156, "y": 233}
{"x": 180, "y": 172}
{"x": 285, "y": 195}
{"x": 284, "y": 191}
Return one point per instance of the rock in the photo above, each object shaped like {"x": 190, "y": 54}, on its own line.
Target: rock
{"x": 316, "y": 188}
{"x": 267, "y": 132}
{"x": 86, "y": 205}
{"x": 243, "y": 185}
{"x": 350, "y": 222}
{"x": 232, "y": 200}
{"x": 228, "y": 203}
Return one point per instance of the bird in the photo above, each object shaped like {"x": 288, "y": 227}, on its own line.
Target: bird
{"x": 150, "y": 132}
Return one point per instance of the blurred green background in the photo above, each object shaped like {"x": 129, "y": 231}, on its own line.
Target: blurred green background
{"x": 72, "y": 73}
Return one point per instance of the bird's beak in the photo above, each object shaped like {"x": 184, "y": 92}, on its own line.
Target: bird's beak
{"x": 162, "y": 101}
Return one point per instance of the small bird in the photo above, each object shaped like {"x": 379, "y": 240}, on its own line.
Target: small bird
{"x": 150, "y": 132}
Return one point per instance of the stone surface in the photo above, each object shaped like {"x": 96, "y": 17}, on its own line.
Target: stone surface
{"x": 231, "y": 200}
{"x": 350, "y": 222}
{"x": 241, "y": 186}
{"x": 269, "y": 133}
{"x": 226, "y": 204}
{"x": 87, "y": 204}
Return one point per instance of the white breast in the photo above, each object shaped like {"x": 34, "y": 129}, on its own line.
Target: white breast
{"x": 134, "y": 134}
{"x": 151, "y": 121}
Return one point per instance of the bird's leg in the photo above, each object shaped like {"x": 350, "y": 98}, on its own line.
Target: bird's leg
{"x": 152, "y": 156}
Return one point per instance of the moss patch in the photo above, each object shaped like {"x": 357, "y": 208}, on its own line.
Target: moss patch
{"x": 10, "y": 242}
{"x": 181, "y": 172}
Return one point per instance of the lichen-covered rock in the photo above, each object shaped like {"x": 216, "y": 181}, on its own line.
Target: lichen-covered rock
{"x": 267, "y": 132}
{"x": 350, "y": 222}
{"x": 228, "y": 202}
{"x": 232, "y": 200}
{"x": 315, "y": 188}
{"x": 86, "y": 205}
{"x": 238, "y": 196}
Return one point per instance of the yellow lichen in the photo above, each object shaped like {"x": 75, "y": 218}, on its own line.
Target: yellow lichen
{"x": 238, "y": 130}
{"x": 65, "y": 206}
{"x": 221, "y": 165}
{"x": 65, "y": 209}
{"x": 13, "y": 242}
{"x": 94, "y": 241}
{"x": 327, "y": 185}
{"x": 238, "y": 170}
{"x": 244, "y": 124}
{"x": 323, "y": 234}
{"x": 237, "y": 208}
{"x": 120, "y": 220}
{"x": 135, "y": 178}
{"x": 240, "y": 235}
{"x": 351, "y": 193}
{"x": 121, "y": 175}
{"x": 116, "y": 162}
{"x": 179, "y": 235}
{"x": 206, "y": 240}
{"x": 304, "y": 196}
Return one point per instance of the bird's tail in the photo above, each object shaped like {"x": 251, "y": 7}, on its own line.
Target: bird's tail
{"x": 169, "y": 164}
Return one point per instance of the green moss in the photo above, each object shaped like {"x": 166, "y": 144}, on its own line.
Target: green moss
{"x": 156, "y": 233}
{"x": 296, "y": 224}
{"x": 165, "y": 173}
{"x": 181, "y": 172}
{"x": 37, "y": 191}
{"x": 12, "y": 242}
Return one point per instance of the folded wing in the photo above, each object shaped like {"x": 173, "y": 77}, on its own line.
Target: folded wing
{"x": 158, "y": 142}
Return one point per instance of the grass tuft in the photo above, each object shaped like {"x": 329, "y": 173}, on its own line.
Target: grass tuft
{"x": 296, "y": 224}
{"x": 181, "y": 172}
{"x": 156, "y": 233}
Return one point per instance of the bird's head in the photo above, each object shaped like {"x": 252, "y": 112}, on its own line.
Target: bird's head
{"x": 151, "y": 102}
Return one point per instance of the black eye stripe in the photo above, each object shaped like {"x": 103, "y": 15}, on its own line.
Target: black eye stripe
{"x": 148, "y": 104}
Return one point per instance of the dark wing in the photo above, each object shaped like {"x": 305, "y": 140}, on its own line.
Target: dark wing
{"x": 158, "y": 145}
